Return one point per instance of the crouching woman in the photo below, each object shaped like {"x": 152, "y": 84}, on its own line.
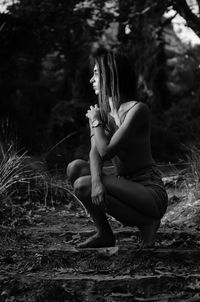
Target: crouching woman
{"x": 120, "y": 132}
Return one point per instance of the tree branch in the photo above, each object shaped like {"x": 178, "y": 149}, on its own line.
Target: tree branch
{"x": 183, "y": 9}
{"x": 144, "y": 11}
{"x": 168, "y": 20}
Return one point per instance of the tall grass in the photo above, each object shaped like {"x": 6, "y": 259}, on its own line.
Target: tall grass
{"x": 193, "y": 176}
{"x": 194, "y": 159}
{"x": 185, "y": 211}
{"x": 25, "y": 183}
{"x": 13, "y": 171}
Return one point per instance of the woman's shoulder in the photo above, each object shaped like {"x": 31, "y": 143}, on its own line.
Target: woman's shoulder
{"x": 133, "y": 106}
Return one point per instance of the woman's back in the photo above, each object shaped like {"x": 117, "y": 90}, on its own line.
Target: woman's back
{"x": 136, "y": 152}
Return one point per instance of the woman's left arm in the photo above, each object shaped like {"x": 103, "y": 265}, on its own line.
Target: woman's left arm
{"x": 134, "y": 118}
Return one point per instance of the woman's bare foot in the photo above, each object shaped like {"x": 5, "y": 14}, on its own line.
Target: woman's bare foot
{"x": 98, "y": 241}
{"x": 148, "y": 233}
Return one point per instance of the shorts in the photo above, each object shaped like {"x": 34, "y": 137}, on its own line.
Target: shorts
{"x": 150, "y": 177}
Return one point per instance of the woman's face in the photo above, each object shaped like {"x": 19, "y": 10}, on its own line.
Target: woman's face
{"x": 95, "y": 79}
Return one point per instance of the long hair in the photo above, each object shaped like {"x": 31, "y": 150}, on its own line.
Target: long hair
{"x": 117, "y": 80}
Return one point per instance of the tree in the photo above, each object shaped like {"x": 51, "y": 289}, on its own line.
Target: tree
{"x": 43, "y": 40}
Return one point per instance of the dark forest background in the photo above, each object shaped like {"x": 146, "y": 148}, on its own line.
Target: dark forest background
{"x": 45, "y": 70}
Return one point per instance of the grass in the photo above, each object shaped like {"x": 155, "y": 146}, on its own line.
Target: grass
{"x": 194, "y": 159}
{"x": 185, "y": 211}
{"x": 25, "y": 184}
{"x": 193, "y": 176}
{"x": 189, "y": 176}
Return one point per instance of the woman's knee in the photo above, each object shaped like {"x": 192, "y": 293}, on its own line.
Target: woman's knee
{"x": 77, "y": 168}
{"x": 82, "y": 187}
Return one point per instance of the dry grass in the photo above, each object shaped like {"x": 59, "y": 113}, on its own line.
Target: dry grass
{"x": 186, "y": 211}
{"x": 194, "y": 159}
{"x": 25, "y": 184}
{"x": 193, "y": 177}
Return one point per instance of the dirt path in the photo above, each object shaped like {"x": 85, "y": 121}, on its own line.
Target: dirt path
{"x": 41, "y": 263}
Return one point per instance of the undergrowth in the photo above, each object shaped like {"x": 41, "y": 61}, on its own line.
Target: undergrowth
{"x": 189, "y": 176}
{"x": 193, "y": 177}
{"x": 184, "y": 210}
{"x": 26, "y": 185}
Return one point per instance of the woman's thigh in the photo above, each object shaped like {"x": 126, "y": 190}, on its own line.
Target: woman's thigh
{"x": 77, "y": 168}
{"x": 124, "y": 213}
{"x": 132, "y": 194}
{"x": 116, "y": 207}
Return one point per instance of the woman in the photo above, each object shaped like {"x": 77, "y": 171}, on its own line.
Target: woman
{"x": 119, "y": 131}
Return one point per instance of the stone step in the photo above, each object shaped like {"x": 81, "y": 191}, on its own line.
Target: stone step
{"x": 62, "y": 286}
{"x": 178, "y": 297}
{"x": 124, "y": 259}
{"x": 170, "y": 237}
{"x": 128, "y": 251}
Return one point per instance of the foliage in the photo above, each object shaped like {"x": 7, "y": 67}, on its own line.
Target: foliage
{"x": 185, "y": 9}
{"x": 186, "y": 212}
{"x": 194, "y": 159}
{"x": 44, "y": 58}
{"x": 42, "y": 46}
{"x": 176, "y": 129}
{"x": 24, "y": 184}
{"x": 144, "y": 41}
{"x": 187, "y": 112}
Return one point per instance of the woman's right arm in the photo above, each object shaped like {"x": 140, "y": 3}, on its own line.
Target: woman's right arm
{"x": 96, "y": 163}
{"x": 95, "y": 159}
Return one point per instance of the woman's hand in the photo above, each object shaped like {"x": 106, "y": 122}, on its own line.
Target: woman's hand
{"x": 98, "y": 194}
{"x": 93, "y": 113}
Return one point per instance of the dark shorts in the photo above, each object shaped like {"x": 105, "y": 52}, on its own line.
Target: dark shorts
{"x": 150, "y": 177}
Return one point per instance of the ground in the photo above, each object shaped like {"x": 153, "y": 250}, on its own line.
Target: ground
{"x": 39, "y": 260}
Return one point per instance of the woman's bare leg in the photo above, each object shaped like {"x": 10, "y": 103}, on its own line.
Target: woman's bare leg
{"x": 132, "y": 194}
{"x": 77, "y": 168}
{"x": 119, "y": 210}
{"x": 104, "y": 236}
{"x": 77, "y": 173}
{"x": 129, "y": 216}
{"x": 128, "y": 202}
{"x": 148, "y": 232}
{"x": 142, "y": 210}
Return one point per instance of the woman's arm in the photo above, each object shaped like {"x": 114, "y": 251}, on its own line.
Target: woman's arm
{"x": 97, "y": 187}
{"x": 135, "y": 117}
{"x": 95, "y": 162}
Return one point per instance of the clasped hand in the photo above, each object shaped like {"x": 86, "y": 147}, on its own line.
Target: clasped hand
{"x": 93, "y": 113}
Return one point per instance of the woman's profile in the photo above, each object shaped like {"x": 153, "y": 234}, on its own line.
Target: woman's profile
{"x": 120, "y": 132}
